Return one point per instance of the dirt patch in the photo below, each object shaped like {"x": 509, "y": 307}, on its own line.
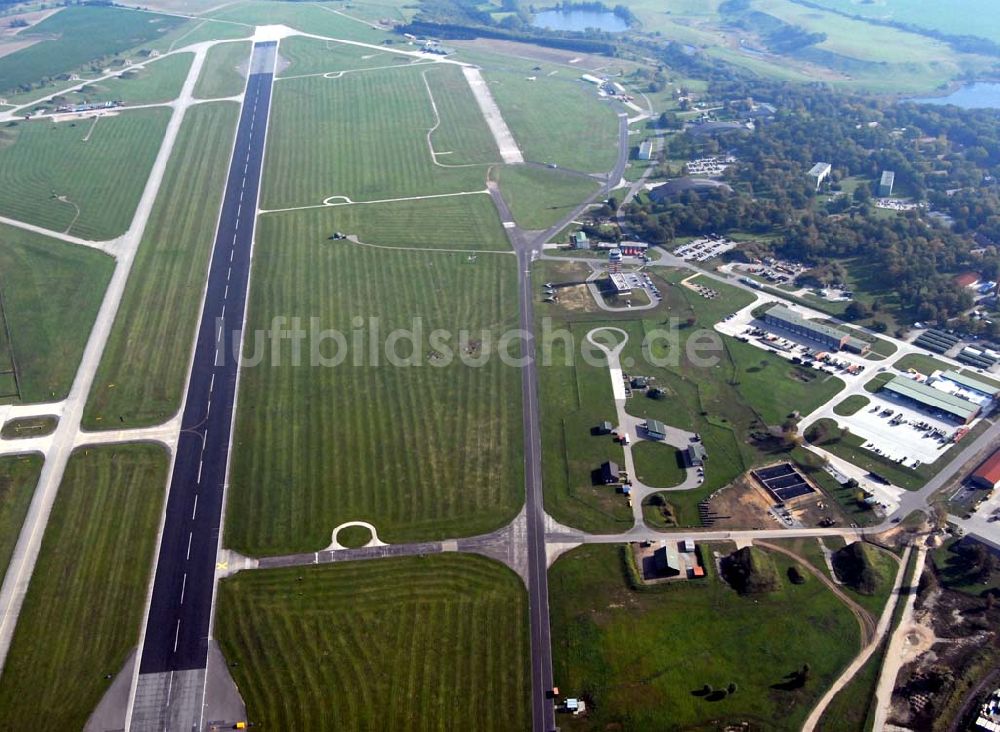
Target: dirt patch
{"x": 741, "y": 505}
{"x": 12, "y": 40}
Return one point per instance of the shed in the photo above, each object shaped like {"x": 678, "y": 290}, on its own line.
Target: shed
{"x": 656, "y": 430}
{"x": 609, "y": 473}
{"x": 696, "y": 454}
{"x": 667, "y": 561}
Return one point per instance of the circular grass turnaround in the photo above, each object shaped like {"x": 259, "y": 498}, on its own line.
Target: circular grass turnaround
{"x": 354, "y": 537}
{"x": 851, "y": 405}
{"x": 658, "y": 465}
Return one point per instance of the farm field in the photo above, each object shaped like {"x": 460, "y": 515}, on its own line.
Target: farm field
{"x": 639, "y": 657}
{"x": 223, "y": 74}
{"x": 84, "y": 605}
{"x": 314, "y": 56}
{"x": 363, "y": 136}
{"x": 76, "y": 36}
{"x": 961, "y": 17}
{"x": 144, "y": 366}
{"x": 324, "y": 19}
{"x": 539, "y": 197}
{"x": 456, "y": 222}
{"x": 410, "y": 643}
{"x": 18, "y": 478}
{"x": 51, "y": 293}
{"x": 51, "y": 177}
{"x": 557, "y": 119}
{"x": 424, "y": 449}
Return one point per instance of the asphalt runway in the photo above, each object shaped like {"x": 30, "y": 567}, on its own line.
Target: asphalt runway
{"x": 177, "y": 626}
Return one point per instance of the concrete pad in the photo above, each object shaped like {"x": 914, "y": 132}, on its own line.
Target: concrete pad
{"x": 168, "y": 701}
{"x": 224, "y": 705}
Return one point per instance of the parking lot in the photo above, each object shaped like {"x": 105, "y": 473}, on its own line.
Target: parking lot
{"x": 901, "y": 432}
{"x": 704, "y": 249}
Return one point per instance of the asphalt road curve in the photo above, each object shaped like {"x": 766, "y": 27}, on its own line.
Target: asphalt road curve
{"x": 177, "y": 627}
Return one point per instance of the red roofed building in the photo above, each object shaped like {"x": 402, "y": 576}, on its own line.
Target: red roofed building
{"x": 967, "y": 279}
{"x": 988, "y": 474}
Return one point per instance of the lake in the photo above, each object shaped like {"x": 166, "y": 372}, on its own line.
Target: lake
{"x": 981, "y": 95}
{"x": 579, "y": 20}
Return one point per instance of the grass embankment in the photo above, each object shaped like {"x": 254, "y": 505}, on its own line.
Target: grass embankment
{"x": 539, "y": 197}
{"x": 51, "y": 294}
{"x": 414, "y": 643}
{"x": 18, "y": 479}
{"x": 83, "y": 178}
{"x": 363, "y": 136}
{"x": 84, "y": 605}
{"x": 224, "y": 71}
{"x": 423, "y": 444}
{"x": 641, "y": 661}
{"x": 144, "y": 366}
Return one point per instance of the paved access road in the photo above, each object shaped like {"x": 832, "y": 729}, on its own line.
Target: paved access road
{"x": 177, "y": 627}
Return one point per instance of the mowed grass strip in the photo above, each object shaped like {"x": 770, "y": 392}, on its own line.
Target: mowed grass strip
{"x": 462, "y": 137}
{"x": 51, "y": 294}
{"x": 426, "y": 449}
{"x": 363, "y": 136}
{"x": 224, "y": 71}
{"x": 144, "y": 366}
{"x": 540, "y": 197}
{"x": 18, "y": 480}
{"x": 557, "y": 119}
{"x": 640, "y": 658}
{"x": 438, "y": 642}
{"x": 75, "y": 36}
{"x": 84, "y": 178}
{"x": 456, "y": 222}
{"x": 315, "y": 56}
{"x": 84, "y": 605}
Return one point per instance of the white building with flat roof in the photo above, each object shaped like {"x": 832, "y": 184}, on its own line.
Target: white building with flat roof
{"x": 820, "y": 172}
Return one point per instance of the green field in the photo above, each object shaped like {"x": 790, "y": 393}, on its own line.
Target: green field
{"x": 363, "y": 136}
{"x": 557, "y": 119}
{"x": 540, "y": 197}
{"x": 76, "y": 36}
{"x": 51, "y": 294}
{"x": 145, "y": 363}
{"x": 21, "y": 428}
{"x": 18, "y": 478}
{"x": 462, "y": 136}
{"x": 224, "y": 72}
{"x": 851, "y": 405}
{"x": 439, "y": 642}
{"x": 456, "y": 222}
{"x": 658, "y": 464}
{"x": 427, "y": 448}
{"x": 84, "y": 605}
{"x": 313, "y": 56}
{"x": 640, "y": 658}
{"x": 83, "y": 178}
{"x": 959, "y": 17}
{"x": 324, "y": 19}
{"x": 159, "y": 81}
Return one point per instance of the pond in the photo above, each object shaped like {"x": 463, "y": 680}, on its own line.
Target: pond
{"x": 579, "y": 20}
{"x": 981, "y": 95}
